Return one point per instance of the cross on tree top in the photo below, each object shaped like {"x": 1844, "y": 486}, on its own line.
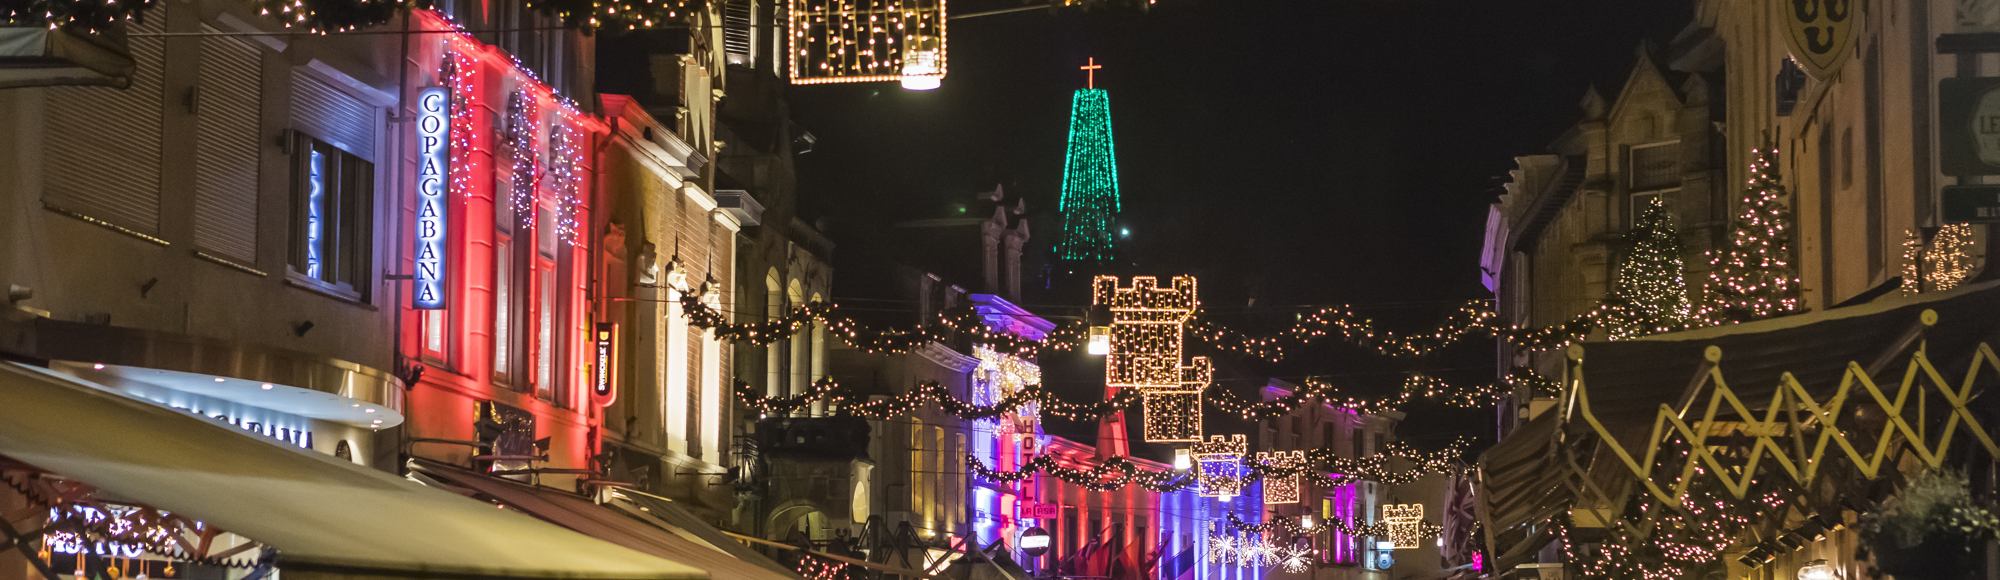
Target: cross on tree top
{"x": 1091, "y": 69}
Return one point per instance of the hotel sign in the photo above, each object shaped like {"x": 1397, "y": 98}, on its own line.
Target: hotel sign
{"x": 433, "y": 182}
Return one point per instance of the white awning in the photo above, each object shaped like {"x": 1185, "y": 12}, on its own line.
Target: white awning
{"x": 321, "y": 514}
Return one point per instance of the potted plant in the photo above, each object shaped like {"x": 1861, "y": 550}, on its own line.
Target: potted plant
{"x": 1929, "y": 528}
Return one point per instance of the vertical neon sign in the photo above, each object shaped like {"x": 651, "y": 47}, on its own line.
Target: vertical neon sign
{"x": 433, "y": 148}
{"x": 600, "y": 390}
{"x": 315, "y": 202}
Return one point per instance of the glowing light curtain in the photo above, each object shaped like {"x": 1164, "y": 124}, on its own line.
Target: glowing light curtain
{"x": 853, "y": 41}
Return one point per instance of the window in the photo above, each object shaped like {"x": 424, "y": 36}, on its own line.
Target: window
{"x": 1655, "y": 166}
{"x": 1640, "y": 201}
{"x": 331, "y": 192}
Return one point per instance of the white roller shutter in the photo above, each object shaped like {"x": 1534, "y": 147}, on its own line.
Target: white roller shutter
{"x": 333, "y": 116}
{"x": 103, "y": 143}
{"x": 227, "y": 149}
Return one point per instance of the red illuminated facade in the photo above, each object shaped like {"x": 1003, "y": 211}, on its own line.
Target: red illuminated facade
{"x": 507, "y": 361}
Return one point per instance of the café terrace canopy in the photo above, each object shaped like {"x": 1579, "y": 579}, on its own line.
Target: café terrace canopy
{"x": 1546, "y": 465}
{"x": 325, "y": 517}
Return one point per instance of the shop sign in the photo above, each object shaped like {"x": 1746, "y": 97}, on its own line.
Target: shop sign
{"x": 1042, "y": 511}
{"x": 433, "y": 181}
{"x": 605, "y": 335}
{"x": 1820, "y": 33}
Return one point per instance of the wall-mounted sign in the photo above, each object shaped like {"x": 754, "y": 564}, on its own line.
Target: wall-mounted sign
{"x": 1041, "y": 511}
{"x": 1971, "y": 204}
{"x": 1969, "y": 125}
{"x": 1820, "y": 33}
{"x": 605, "y": 336}
{"x": 433, "y": 183}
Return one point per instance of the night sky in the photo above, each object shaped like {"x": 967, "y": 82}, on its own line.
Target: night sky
{"x": 1298, "y": 152}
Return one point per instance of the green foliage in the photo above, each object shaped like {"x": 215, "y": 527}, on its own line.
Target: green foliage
{"x": 1934, "y": 504}
{"x": 1651, "y": 284}
{"x": 1090, "y": 180}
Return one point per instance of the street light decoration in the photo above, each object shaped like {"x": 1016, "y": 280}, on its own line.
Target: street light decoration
{"x": 859, "y": 41}
{"x": 1282, "y": 489}
{"x": 1147, "y": 338}
{"x": 1405, "y": 524}
{"x": 1221, "y": 463}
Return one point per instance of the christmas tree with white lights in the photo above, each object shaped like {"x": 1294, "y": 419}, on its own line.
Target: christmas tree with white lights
{"x": 1651, "y": 283}
{"x": 1751, "y": 276}
{"x": 1090, "y": 177}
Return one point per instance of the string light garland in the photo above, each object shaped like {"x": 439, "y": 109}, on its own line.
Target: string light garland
{"x": 83, "y": 15}
{"x": 526, "y": 163}
{"x": 1683, "y": 542}
{"x": 1112, "y": 475}
{"x": 1090, "y": 203}
{"x": 1751, "y": 276}
{"x": 816, "y": 568}
{"x": 1651, "y": 282}
{"x": 1292, "y": 527}
{"x": 964, "y": 322}
{"x": 850, "y": 41}
{"x": 563, "y": 178}
{"x": 924, "y": 395}
{"x": 1414, "y": 388}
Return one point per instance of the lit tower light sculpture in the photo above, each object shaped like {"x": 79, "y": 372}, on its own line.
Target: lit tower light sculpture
{"x": 1090, "y": 176}
{"x": 1147, "y": 324}
{"x": 1221, "y": 462}
{"x": 1281, "y": 489}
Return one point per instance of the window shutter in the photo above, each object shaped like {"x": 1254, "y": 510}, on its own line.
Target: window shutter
{"x": 736, "y": 32}
{"x": 103, "y": 144}
{"x": 227, "y": 148}
{"x": 333, "y": 116}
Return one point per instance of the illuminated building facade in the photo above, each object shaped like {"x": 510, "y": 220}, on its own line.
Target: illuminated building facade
{"x": 506, "y": 353}
{"x": 668, "y": 427}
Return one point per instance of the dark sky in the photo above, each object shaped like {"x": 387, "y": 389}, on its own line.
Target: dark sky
{"x": 1302, "y": 152}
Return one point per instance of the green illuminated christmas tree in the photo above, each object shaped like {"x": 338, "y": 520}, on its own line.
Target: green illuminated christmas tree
{"x": 1651, "y": 285}
{"x": 1751, "y": 276}
{"x": 1090, "y": 180}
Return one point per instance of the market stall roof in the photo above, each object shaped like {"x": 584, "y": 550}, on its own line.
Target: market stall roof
{"x": 608, "y": 524}
{"x": 322, "y": 514}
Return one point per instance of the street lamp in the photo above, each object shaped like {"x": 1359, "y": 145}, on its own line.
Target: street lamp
{"x": 1182, "y": 460}
{"x": 1306, "y": 521}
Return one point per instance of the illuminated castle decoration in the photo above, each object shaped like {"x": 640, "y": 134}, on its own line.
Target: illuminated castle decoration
{"x": 1147, "y": 324}
{"x": 1281, "y": 489}
{"x": 1221, "y": 465}
{"x": 1090, "y": 177}
{"x": 1405, "y": 524}
{"x": 858, "y": 41}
